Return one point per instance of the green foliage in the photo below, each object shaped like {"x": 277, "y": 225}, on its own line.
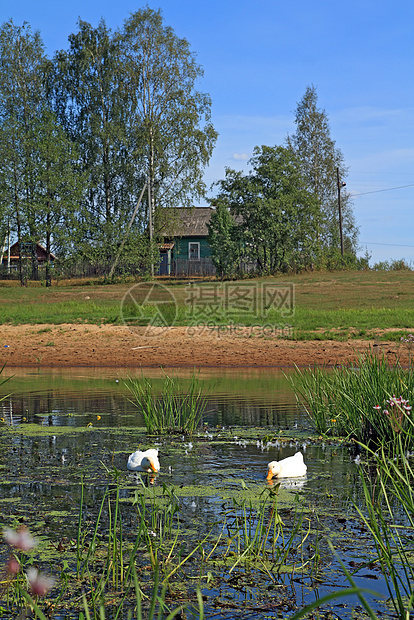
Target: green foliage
{"x": 82, "y": 134}
{"x": 225, "y": 240}
{"x": 358, "y": 401}
{"x": 332, "y": 260}
{"x": 274, "y": 211}
{"x": 169, "y": 124}
{"x": 393, "y": 265}
{"x": 176, "y": 410}
{"x": 319, "y": 159}
{"x": 256, "y": 535}
{"x": 22, "y": 103}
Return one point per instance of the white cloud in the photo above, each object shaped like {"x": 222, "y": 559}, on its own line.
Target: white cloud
{"x": 241, "y": 156}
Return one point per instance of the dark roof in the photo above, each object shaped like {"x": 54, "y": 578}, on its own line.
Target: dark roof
{"x": 187, "y": 222}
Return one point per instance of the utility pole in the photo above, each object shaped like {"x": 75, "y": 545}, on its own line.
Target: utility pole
{"x": 340, "y": 185}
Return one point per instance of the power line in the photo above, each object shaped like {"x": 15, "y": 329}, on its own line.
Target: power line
{"x": 395, "y": 245}
{"x": 388, "y": 189}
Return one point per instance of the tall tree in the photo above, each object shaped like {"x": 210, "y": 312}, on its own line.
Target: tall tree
{"x": 319, "y": 160}
{"x": 59, "y": 186}
{"x": 225, "y": 240}
{"x": 22, "y": 97}
{"x": 87, "y": 98}
{"x": 276, "y": 210}
{"x": 169, "y": 119}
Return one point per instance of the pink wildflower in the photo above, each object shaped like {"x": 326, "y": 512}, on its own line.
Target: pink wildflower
{"x": 13, "y": 566}
{"x": 20, "y": 539}
{"x": 40, "y": 584}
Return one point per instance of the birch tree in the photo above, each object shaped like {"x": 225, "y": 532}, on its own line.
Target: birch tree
{"x": 319, "y": 159}
{"x": 22, "y": 96}
{"x": 169, "y": 118}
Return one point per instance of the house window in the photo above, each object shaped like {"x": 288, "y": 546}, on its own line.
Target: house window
{"x": 194, "y": 251}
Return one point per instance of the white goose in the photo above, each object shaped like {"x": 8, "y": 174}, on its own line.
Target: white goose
{"x": 144, "y": 461}
{"x": 291, "y": 467}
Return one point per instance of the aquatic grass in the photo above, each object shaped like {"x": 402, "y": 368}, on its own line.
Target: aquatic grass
{"x": 108, "y": 563}
{"x": 354, "y": 590}
{"x": 389, "y": 516}
{"x": 175, "y": 410}
{"x": 157, "y": 606}
{"x": 256, "y": 535}
{"x": 2, "y": 382}
{"x": 353, "y": 401}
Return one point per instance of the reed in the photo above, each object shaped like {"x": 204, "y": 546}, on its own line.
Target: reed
{"x": 353, "y": 590}
{"x": 2, "y": 382}
{"x": 157, "y": 606}
{"x": 157, "y": 536}
{"x": 389, "y": 516}
{"x": 176, "y": 410}
{"x": 257, "y": 536}
{"x": 355, "y": 401}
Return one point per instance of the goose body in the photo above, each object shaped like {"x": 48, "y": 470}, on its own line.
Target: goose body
{"x": 144, "y": 461}
{"x": 291, "y": 467}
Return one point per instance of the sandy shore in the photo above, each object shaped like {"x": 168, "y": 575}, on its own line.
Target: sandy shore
{"x": 120, "y": 346}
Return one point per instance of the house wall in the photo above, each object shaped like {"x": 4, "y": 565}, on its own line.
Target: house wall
{"x": 181, "y": 247}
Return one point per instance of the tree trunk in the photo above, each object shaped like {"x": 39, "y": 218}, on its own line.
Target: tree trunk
{"x": 48, "y": 276}
{"x": 35, "y": 262}
{"x": 19, "y": 232}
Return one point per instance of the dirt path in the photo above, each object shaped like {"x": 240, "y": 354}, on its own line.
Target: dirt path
{"x": 119, "y": 346}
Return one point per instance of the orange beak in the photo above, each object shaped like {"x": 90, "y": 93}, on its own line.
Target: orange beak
{"x": 269, "y": 475}
{"x": 152, "y": 467}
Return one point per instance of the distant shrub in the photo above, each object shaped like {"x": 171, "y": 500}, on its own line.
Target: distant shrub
{"x": 393, "y": 265}
{"x": 332, "y": 260}
{"x": 400, "y": 265}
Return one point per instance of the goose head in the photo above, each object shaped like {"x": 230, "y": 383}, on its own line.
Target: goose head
{"x": 274, "y": 470}
{"x": 150, "y": 462}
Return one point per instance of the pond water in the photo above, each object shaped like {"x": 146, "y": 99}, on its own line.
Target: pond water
{"x": 61, "y": 427}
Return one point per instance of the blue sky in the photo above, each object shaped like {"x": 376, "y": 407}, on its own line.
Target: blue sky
{"x": 259, "y": 57}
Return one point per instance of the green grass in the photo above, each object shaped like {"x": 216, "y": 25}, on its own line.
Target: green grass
{"x": 327, "y": 305}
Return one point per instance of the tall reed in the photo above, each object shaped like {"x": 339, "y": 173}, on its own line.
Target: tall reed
{"x": 389, "y": 516}
{"x": 176, "y": 409}
{"x": 110, "y": 562}
{"x": 352, "y": 401}
{"x": 256, "y": 536}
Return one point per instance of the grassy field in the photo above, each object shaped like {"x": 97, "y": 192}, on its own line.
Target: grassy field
{"x": 322, "y": 305}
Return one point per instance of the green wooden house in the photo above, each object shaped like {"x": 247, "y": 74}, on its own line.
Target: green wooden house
{"x": 185, "y": 250}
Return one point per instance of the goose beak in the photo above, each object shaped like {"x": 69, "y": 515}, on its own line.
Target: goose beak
{"x": 269, "y": 475}
{"x": 152, "y": 467}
